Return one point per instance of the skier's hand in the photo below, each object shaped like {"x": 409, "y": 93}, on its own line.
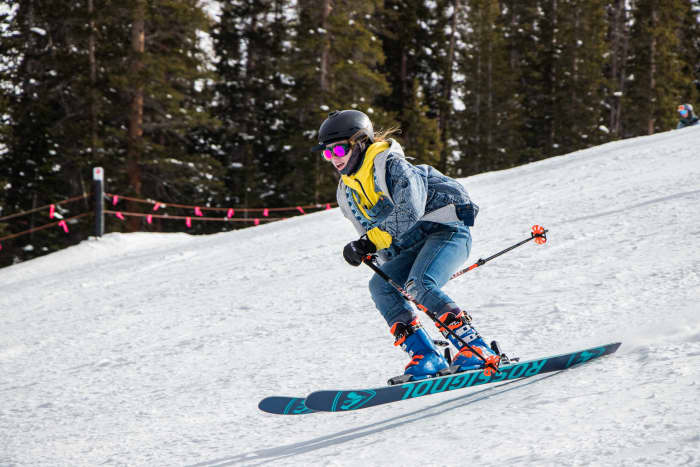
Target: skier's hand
{"x": 354, "y": 252}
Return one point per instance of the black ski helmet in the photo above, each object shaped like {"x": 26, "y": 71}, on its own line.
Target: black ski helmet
{"x": 344, "y": 124}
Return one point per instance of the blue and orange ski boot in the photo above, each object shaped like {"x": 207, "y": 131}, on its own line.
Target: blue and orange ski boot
{"x": 460, "y": 322}
{"x": 426, "y": 360}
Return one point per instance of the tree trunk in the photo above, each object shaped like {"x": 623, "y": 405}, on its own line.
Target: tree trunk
{"x": 93, "y": 81}
{"x": 490, "y": 110}
{"x": 446, "y": 109}
{"x": 135, "y": 141}
{"x": 477, "y": 100}
{"x": 623, "y": 66}
{"x": 405, "y": 88}
{"x": 550, "y": 77}
{"x": 614, "y": 62}
{"x": 652, "y": 72}
{"x": 619, "y": 61}
{"x": 327, "y": 7}
{"x": 325, "y": 53}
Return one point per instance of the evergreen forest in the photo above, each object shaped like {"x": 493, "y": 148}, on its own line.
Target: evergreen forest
{"x": 217, "y": 104}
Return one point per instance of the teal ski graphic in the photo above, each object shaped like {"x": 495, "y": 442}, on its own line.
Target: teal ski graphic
{"x": 282, "y": 405}
{"x": 342, "y": 401}
{"x": 354, "y": 400}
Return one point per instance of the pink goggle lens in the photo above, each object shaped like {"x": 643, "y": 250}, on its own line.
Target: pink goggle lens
{"x": 340, "y": 150}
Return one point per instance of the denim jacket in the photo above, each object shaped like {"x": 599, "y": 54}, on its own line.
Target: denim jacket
{"x": 410, "y": 196}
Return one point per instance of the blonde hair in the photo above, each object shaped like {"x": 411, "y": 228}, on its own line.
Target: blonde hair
{"x": 383, "y": 135}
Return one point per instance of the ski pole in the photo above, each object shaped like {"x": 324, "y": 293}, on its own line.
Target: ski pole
{"x": 538, "y": 233}
{"x": 489, "y": 362}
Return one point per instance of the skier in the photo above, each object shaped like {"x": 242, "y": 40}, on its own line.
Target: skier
{"x": 688, "y": 117}
{"x": 417, "y": 220}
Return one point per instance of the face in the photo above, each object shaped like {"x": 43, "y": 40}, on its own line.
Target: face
{"x": 339, "y": 152}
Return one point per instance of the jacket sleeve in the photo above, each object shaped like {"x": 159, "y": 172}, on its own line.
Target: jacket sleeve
{"x": 345, "y": 209}
{"x": 409, "y": 194}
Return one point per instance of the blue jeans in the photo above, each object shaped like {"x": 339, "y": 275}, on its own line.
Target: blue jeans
{"x": 428, "y": 256}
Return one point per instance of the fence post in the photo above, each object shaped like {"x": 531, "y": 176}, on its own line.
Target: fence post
{"x": 98, "y": 181}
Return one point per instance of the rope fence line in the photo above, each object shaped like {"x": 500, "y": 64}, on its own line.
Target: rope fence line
{"x": 159, "y": 204}
{"x": 211, "y": 219}
{"x": 69, "y": 200}
{"x": 63, "y": 223}
{"x": 101, "y": 196}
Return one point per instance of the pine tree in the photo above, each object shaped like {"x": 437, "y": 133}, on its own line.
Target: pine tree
{"x": 689, "y": 37}
{"x": 656, "y": 80}
{"x": 415, "y": 48}
{"x": 489, "y": 132}
{"x": 44, "y": 156}
{"x": 252, "y": 89}
{"x": 165, "y": 82}
{"x": 68, "y": 87}
{"x": 527, "y": 47}
{"x": 578, "y": 83}
{"x": 618, "y": 40}
{"x": 335, "y": 65}
{"x": 555, "y": 53}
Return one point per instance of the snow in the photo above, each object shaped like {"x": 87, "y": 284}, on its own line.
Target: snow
{"x": 154, "y": 349}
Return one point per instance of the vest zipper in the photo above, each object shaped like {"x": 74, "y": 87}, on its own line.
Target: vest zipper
{"x": 363, "y": 191}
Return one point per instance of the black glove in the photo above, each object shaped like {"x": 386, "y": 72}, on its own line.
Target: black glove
{"x": 354, "y": 252}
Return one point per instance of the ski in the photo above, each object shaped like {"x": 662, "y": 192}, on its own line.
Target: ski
{"x": 346, "y": 400}
{"x": 283, "y": 405}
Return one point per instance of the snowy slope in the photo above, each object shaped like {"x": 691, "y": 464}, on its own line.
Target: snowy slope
{"x": 150, "y": 349}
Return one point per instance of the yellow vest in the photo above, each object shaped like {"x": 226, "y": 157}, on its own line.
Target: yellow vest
{"x": 365, "y": 193}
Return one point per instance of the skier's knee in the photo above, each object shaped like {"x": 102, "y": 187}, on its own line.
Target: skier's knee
{"x": 377, "y": 286}
{"x": 419, "y": 287}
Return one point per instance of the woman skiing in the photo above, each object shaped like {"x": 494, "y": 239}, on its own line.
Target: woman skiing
{"x": 417, "y": 221}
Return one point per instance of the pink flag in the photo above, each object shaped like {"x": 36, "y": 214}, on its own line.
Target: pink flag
{"x": 256, "y": 221}
{"x": 328, "y": 206}
{"x": 299, "y": 208}
{"x": 149, "y": 218}
{"x": 155, "y": 208}
{"x": 115, "y": 200}
{"x": 64, "y": 225}
{"x": 230, "y": 212}
{"x": 266, "y": 212}
{"x": 52, "y": 210}
{"x": 120, "y": 215}
{"x": 188, "y": 221}
{"x": 197, "y": 211}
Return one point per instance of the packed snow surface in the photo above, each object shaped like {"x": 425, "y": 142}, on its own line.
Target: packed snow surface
{"x": 154, "y": 349}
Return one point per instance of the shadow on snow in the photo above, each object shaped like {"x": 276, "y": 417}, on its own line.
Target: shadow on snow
{"x": 264, "y": 456}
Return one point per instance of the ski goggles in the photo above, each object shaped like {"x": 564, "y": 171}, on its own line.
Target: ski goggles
{"x": 683, "y": 111}
{"x": 339, "y": 149}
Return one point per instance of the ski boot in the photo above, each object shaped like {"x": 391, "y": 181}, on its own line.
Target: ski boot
{"x": 426, "y": 360}
{"x": 460, "y": 322}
